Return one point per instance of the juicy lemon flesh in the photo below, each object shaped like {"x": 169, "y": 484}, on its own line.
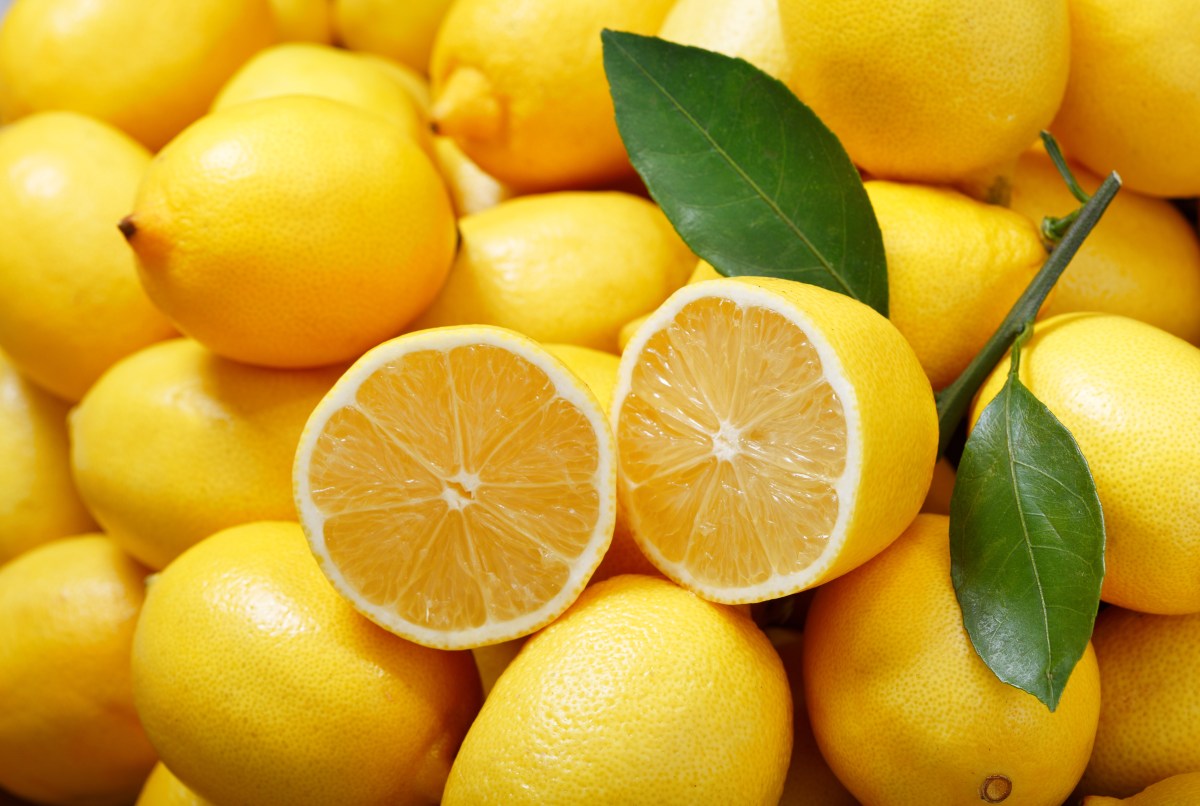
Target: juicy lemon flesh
{"x": 435, "y": 479}
{"x": 732, "y": 442}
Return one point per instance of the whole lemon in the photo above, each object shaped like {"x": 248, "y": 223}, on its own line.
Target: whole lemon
{"x": 301, "y": 68}
{"x": 69, "y": 733}
{"x": 258, "y": 683}
{"x": 520, "y": 85}
{"x": 70, "y": 301}
{"x": 292, "y": 231}
{"x": 162, "y": 788}
{"x": 955, "y": 268}
{"x": 400, "y": 31}
{"x": 938, "y": 91}
{"x": 175, "y": 443}
{"x": 1142, "y": 259}
{"x": 905, "y": 711}
{"x": 149, "y": 69}
{"x": 1127, "y": 392}
{"x": 640, "y": 693}
{"x": 568, "y": 267}
{"x": 1150, "y": 715}
{"x": 1128, "y": 106}
{"x": 38, "y": 501}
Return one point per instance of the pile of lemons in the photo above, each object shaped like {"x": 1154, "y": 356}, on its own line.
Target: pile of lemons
{"x": 369, "y": 436}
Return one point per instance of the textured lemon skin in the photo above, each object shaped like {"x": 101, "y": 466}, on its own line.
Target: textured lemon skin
{"x": 292, "y": 231}
{"x": 1141, "y": 260}
{"x": 903, "y": 708}
{"x": 38, "y": 501}
{"x": 930, "y": 90}
{"x": 329, "y": 707}
{"x": 301, "y": 68}
{"x": 70, "y": 301}
{"x": 1126, "y": 108}
{"x": 67, "y": 616}
{"x": 1177, "y": 790}
{"x": 1127, "y": 392}
{"x": 955, "y": 268}
{"x": 1149, "y": 718}
{"x": 532, "y": 105}
{"x": 162, "y": 788}
{"x": 640, "y": 693}
{"x": 400, "y": 31}
{"x": 892, "y": 414}
{"x": 175, "y": 443}
{"x": 148, "y": 69}
{"x": 569, "y": 267}
{"x": 745, "y": 29}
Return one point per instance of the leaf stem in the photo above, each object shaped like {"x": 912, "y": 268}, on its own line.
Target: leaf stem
{"x": 952, "y": 402}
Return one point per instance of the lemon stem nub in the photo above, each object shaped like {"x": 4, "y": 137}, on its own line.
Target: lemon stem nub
{"x": 127, "y": 227}
{"x": 467, "y": 108}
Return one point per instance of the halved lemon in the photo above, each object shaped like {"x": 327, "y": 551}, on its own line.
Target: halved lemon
{"x": 458, "y": 486}
{"x": 771, "y": 435}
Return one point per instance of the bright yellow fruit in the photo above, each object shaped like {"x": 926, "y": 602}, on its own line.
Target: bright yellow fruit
{"x": 1127, "y": 107}
{"x": 906, "y": 712}
{"x": 162, "y": 788}
{"x": 955, "y": 268}
{"x": 69, "y": 732}
{"x": 458, "y": 486}
{"x": 292, "y": 232}
{"x": 303, "y": 20}
{"x": 771, "y": 435}
{"x": 1178, "y": 790}
{"x": 471, "y": 190}
{"x": 809, "y": 781}
{"x": 258, "y": 684}
{"x": 640, "y": 693}
{"x": 1150, "y": 716}
{"x": 569, "y": 267}
{"x": 746, "y": 29}
{"x": 1142, "y": 260}
{"x": 938, "y": 91}
{"x": 174, "y": 443}
{"x": 38, "y": 501}
{"x": 301, "y": 68}
{"x": 70, "y": 301}
{"x": 520, "y": 85}
{"x": 493, "y": 659}
{"x": 400, "y": 31}
{"x": 414, "y": 82}
{"x": 703, "y": 271}
{"x": 149, "y": 69}
{"x": 1127, "y": 392}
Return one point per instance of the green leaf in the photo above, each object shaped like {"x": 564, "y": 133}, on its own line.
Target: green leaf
{"x": 753, "y": 181}
{"x": 1026, "y": 542}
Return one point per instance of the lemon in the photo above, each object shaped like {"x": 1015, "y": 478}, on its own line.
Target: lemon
{"x": 1142, "y": 259}
{"x": 1125, "y": 108}
{"x": 703, "y": 271}
{"x": 905, "y": 711}
{"x": 938, "y": 91}
{"x": 69, "y": 732}
{"x": 400, "y": 31}
{"x": 1150, "y": 676}
{"x": 521, "y": 87}
{"x": 640, "y": 693}
{"x": 955, "y": 268}
{"x": 416, "y": 83}
{"x": 471, "y": 190}
{"x": 174, "y": 443}
{"x": 458, "y": 486}
{"x": 70, "y": 301}
{"x": 162, "y": 788}
{"x": 149, "y": 69}
{"x": 569, "y": 267}
{"x": 303, "y": 20}
{"x": 1178, "y": 790}
{"x": 1126, "y": 391}
{"x": 493, "y": 659}
{"x": 328, "y": 708}
{"x": 301, "y": 68}
{"x": 771, "y": 436}
{"x": 746, "y": 29}
{"x": 38, "y": 501}
{"x": 292, "y": 231}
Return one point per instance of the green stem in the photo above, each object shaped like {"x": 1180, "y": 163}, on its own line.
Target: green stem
{"x": 1060, "y": 162}
{"x": 952, "y": 402}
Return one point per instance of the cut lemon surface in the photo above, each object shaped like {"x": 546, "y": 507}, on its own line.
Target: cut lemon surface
{"x": 457, "y": 485}
{"x": 771, "y": 436}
